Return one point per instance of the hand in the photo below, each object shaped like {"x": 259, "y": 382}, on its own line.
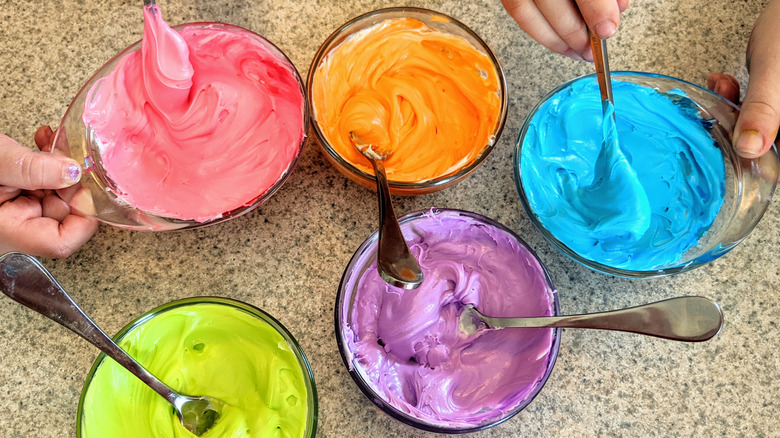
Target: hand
{"x": 561, "y": 25}
{"x": 33, "y": 218}
{"x": 758, "y": 121}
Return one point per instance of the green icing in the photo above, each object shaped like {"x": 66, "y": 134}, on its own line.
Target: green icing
{"x": 201, "y": 349}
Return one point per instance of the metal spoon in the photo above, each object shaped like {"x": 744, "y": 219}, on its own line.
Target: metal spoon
{"x": 27, "y": 282}
{"x": 601, "y": 61}
{"x": 691, "y": 318}
{"x": 395, "y": 262}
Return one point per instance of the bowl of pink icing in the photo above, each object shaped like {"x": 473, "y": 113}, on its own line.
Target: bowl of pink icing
{"x": 404, "y": 348}
{"x": 193, "y": 125}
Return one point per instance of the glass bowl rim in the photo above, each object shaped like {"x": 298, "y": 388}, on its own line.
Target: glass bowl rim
{"x": 406, "y": 187}
{"x": 254, "y": 311}
{"x": 188, "y": 224}
{"x": 380, "y": 402}
{"x": 600, "y": 267}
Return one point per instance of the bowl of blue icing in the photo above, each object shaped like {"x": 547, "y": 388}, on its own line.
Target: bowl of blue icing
{"x": 665, "y": 193}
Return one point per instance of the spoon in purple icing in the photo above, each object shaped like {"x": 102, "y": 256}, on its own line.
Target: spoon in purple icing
{"x": 395, "y": 262}
{"x": 690, "y": 318}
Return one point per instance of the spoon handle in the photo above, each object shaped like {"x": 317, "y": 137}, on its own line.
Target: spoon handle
{"x": 689, "y": 318}
{"x": 601, "y": 62}
{"x": 27, "y": 282}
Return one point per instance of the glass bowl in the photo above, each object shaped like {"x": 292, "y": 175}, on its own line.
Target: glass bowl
{"x": 746, "y": 193}
{"x": 453, "y": 381}
{"x": 390, "y": 90}
{"x": 104, "y": 200}
{"x": 213, "y": 338}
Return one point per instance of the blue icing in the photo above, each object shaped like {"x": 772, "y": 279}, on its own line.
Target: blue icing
{"x": 638, "y": 203}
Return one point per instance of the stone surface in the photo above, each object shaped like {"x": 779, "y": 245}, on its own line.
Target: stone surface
{"x": 287, "y": 256}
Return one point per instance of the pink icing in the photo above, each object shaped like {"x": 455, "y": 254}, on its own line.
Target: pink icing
{"x": 406, "y": 344}
{"x": 199, "y": 122}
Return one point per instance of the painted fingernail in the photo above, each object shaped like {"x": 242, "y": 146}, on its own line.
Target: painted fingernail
{"x": 605, "y": 29}
{"x": 71, "y": 174}
{"x": 749, "y": 143}
{"x": 587, "y": 55}
{"x": 572, "y": 54}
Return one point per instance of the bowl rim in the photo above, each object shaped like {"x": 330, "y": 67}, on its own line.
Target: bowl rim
{"x": 401, "y": 186}
{"x": 177, "y": 223}
{"x": 256, "y": 312}
{"x": 600, "y": 267}
{"x": 388, "y": 408}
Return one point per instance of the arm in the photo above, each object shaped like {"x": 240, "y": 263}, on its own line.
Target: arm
{"x": 759, "y": 118}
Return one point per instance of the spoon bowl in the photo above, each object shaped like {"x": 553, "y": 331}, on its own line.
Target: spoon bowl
{"x": 26, "y": 281}
{"x": 691, "y": 319}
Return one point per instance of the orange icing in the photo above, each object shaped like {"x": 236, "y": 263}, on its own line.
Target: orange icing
{"x": 428, "y": 99}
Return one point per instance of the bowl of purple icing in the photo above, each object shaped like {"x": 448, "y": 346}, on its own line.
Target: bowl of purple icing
{"x": 405, "y": 349}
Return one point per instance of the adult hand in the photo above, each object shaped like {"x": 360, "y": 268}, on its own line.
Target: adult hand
{"x": 561, "y": 25}
{"x": 758, "y": 121}
{"x": 33, "y": 218}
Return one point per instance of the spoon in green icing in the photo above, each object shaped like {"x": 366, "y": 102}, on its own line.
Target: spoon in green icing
{"x": 27, "y": 282}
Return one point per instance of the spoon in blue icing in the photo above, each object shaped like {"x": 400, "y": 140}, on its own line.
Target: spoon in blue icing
{"x": 600, "y": 59}
{"x": 616, "y": 177}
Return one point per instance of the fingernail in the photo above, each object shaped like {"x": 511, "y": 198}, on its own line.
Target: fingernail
{"x": 718, "y": 87}
{"x": 749, "y": 143}
{"x": 711, "y": 84}
{"x": 605, "y": 29}
{"x": 71, "y": 174}
{"x": 573, "y": 55}
{"x": 587, "y": 55}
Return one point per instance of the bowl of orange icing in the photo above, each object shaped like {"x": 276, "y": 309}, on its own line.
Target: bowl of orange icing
{"x": 420, "y": 86}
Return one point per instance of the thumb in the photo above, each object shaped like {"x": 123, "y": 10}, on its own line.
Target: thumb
{"x": 756, "y": 127}
{"x": 27, "y": 169}
{"x": 759, "y": 118}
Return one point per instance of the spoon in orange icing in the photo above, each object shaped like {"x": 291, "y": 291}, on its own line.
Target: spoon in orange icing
{"x": 395, "y": 262}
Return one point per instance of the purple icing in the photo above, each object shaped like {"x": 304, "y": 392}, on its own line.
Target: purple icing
{"x": 407, "y": 346}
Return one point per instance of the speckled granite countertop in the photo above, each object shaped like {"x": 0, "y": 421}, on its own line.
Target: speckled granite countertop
{"x": 287, "y": 257}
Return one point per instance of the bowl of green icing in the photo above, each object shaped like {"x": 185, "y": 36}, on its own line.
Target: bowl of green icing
{"x": 204, "y": 346}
